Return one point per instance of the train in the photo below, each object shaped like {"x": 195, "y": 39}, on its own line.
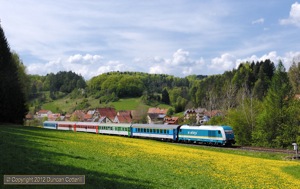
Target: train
{"x": 209, "y": 134}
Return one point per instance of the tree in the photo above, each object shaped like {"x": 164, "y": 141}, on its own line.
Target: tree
{"x": 261, "y": 84}
{"x": 165, "y": 96}
{"x": 294, "y": 76}
{"x": 273, "y": 120}
{"x": 243, "y": 120}
{"x": 12, "y": 97}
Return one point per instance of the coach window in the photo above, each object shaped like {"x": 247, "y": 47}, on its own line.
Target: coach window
{"x": 150, "y": 130}
{"x": 219, "y": 132}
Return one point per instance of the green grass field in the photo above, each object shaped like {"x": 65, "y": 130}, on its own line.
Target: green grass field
{"x": 122, "y": 162}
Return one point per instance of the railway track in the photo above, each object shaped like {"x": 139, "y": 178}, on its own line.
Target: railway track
{"x": 247, "y": 148}
{"x": 262, "y": 149}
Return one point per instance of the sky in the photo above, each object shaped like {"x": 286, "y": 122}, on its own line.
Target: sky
{"x": 176, "y": 37}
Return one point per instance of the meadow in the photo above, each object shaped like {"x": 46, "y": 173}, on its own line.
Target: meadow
{"x": 122, "y": 162}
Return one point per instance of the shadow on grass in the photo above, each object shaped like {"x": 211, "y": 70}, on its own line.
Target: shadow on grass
{"x": 19, "y": 157}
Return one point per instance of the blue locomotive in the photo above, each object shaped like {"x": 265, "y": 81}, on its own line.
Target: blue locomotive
{"x": 212, "y": 135}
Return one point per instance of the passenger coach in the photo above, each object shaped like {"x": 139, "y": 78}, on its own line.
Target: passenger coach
{"x": 115, "y": 129}
{"x": 158, "y": 131}
{"x": 50, "y": 124}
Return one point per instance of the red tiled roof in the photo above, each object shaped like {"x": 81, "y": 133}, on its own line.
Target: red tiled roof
{"x": 29, "y": 116}
{"x": 43, "y": 111}
{"x": 124, "y": 118}
{"x": 171, "y": 120}
{"x": 212, "y": 113}
{"x": 157, "y": 111}
{"x": 80, "y": 114}
{"x": 107, "y": 112}
{"x": 88, "y": 116}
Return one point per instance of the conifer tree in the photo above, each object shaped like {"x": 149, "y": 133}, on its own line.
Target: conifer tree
{"x": 12, "y": 98}
{"x": 274, "y": 117}
{"x": 165, "y": 96}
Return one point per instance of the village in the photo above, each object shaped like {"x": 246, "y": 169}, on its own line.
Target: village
{"x": 154, "y": 115}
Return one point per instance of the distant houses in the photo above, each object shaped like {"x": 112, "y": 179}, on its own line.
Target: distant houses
{"x": 106, "y": 115}
{"x": 155, "y": 115}
{"x": 200, "y": 115}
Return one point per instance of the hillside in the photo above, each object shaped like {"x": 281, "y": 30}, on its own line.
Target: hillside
{"x": 68, "y": 105}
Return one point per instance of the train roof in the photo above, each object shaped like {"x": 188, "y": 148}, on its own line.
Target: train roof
{"x": 87, "y": 123}
{"x": 115, "y": 124}
{"x": 155, "y": 126}
{"x": 206, "y": 127}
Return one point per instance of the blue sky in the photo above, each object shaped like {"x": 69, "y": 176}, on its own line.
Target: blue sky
{"x": 177, "y": 37}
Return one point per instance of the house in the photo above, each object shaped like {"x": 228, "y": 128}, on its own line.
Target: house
{"x": 123, "y": 117}
{"x": 171, "y": 120}
{"x": 67, "y": 117}
{"x": 43, "y": 113}
{"x": 213, "y": 113}
{"x": 156, "y": 115}
{"x": 91, "y": 116}
{"x": 106, "y": 115}
{"x": 54, "y": 117}
{"x": 195, "y": 114}
{"x": 78, "y": 115}
{"x": 29, "y": 116}
{"x": 297, "y": 96}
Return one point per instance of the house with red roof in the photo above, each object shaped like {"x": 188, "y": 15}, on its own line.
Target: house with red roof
{"x": 156, "y": 115}
{"x": 43, "y": 113}
{"x": 195, "y": 114}
{"x": 106, "y": 115}
{"x": 53, "y": 117}
{"x": 78, "y": 115}
{"x": 171, "y": 120}
{"x": 123, "y": 117}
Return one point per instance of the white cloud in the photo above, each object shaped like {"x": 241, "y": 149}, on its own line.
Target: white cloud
{"x": 287, "y": 59}
{"x": 254, "y": 58}
{"x": 86, "y": 65}
{"x": 180, "y": 64}
{"x": 294, "y": 18}
{"x": 86, "y": 59}
{"x": 225, "y": 62}
{"x": 258, "y": 21}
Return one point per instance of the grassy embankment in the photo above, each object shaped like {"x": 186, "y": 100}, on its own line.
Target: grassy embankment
{"x": 121, "y": 162}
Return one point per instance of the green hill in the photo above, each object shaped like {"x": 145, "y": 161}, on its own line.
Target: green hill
{"x": 67, "y": 104}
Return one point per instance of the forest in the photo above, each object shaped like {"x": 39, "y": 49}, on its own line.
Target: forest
{"x": 259, "y": 99}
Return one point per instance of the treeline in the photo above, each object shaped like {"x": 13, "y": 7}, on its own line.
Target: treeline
{"x": 114, "y": 85}
{"x": 13, "y": 84}
{"x": 258, "y": 100}
{"x": 64, "y": 82}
